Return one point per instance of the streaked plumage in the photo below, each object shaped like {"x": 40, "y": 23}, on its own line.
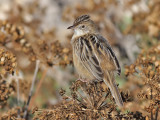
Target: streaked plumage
{"x": 93, "y": 56}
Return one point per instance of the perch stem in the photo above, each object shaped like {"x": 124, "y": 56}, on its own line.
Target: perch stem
{"x": 18, "y": 93}
{"x": 156, "y": 116}
{"x": 88, "y": 97}
{"x": 38, "y": 87}
{"x": 31, "y": 89}
{"x": 151, "y": 110}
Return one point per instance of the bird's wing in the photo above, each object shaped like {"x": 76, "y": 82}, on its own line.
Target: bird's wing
{"x": 104, "y": 47}
{"x": 89, "y": 60}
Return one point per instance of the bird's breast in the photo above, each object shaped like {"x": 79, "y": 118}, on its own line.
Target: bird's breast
{"x": 82, "y": 71}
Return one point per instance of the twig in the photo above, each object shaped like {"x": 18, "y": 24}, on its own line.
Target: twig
{"x": 31, "y": 89}
{"x": 102, "y": 100}
{"x": 83, "y": 99}
{"x": 88, "y": 97}
{"x": 151, "y": 110}
{"x": 18, "y": 97}
{"x": 38, "y": 87}
{"x": 156, "y": 116}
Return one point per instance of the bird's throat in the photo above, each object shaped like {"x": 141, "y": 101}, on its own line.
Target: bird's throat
{"x": 78, "y": 33}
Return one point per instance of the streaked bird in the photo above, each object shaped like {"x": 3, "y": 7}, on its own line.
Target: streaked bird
{"x": 93, "y": 56}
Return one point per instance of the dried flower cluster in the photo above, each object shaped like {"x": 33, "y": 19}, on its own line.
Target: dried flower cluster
{"x": 88, "y": 101}
{"x": 16, "y": 35}
{"x": 47, "y": 52}
{"x": 54, "y": 53}
{"x": 10, "y": 32}
{"x": 12, "y": 115}
{"x": 147, "y": 69}
{"x": 5, "y": 91}
{"x": 147, "y": 22}
{"x": 7, "y": 62}
{"x": 26, "y": 38}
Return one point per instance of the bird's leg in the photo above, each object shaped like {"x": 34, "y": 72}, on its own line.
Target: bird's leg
{"x": 79, "y": 78}
{"x": 82, "y": 79}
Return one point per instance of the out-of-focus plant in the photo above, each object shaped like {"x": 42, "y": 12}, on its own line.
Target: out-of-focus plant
{"x": 23, "y": 41}
{"x": 147, "y": 69}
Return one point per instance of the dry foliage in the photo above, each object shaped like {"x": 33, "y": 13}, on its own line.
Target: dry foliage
{"x": 23, "y": 41}
{"x": 147, "y": 70}
{"x": 91, "y": 101}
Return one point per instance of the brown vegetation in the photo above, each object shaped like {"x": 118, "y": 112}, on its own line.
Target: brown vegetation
{"x": 25, "y": 42}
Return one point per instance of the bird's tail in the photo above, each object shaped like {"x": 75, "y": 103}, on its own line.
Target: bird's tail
{"x": 110, "y": 82}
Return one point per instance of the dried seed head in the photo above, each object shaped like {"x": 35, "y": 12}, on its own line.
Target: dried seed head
{"x": 7, "y": 61}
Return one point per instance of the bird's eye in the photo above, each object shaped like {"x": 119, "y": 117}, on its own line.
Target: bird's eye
{"x": 83, "y": 26}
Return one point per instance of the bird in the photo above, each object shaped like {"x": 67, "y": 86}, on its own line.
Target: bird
{"x": 93, "y": 56}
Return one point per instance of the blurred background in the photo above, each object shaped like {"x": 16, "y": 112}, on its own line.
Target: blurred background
{"x": 33, "y": 30}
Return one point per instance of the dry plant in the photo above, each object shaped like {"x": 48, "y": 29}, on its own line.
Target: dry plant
{"x": 146, "y": 22}
{"x": 7, "y": 62}
{"x": 14, "y": 38}
{"x": 7, "y": 65}
{"x": 12, "y": 115}
{"x": 90, "y": 101}
{"x": 23, "y": 43}
{"x": 5, "y": 91}
{"x": 147, "y": 70}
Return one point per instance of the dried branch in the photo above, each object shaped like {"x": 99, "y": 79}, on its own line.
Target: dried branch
{"x": 31, "y": 89}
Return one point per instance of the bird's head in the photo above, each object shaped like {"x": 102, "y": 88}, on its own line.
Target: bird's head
{"x": 83, "y": 25}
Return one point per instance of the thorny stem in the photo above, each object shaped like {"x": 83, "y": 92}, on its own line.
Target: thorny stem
{"x": 18, "y": 97}
{"x": 31, "y": 89}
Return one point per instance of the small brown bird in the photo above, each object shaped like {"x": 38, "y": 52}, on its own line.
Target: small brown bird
{"x": 93, "y": 56}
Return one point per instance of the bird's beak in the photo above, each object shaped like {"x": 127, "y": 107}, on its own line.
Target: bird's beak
{"x": 71, "y": 27}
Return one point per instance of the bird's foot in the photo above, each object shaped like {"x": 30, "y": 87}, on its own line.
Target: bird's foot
{"x": 82, "y": 79}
